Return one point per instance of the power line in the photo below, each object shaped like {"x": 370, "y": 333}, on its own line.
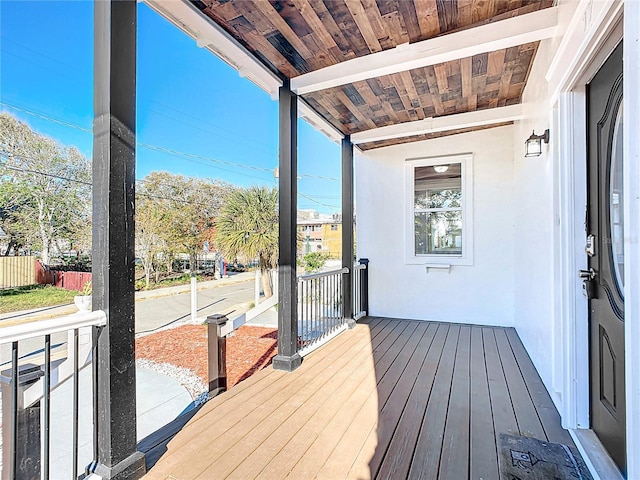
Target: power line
{"x": 17, "y": 169}
{"x": 172, "y": 152}
{"x": 46, "y": 117}
{"x": 163, "y": 149}
{"x": 4, "y": 39}
{"x": 73, "y": 180}
{"x": 216, "y": 131}
{"x": 143, "y": 180}
{"x": 316, "y": 201}
{"x": 192, "y": 155}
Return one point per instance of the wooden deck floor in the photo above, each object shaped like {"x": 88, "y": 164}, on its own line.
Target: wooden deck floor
{"x": 389, "y": 399}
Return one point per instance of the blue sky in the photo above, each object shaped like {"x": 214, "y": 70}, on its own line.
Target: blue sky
{"x": 188, "y": 100}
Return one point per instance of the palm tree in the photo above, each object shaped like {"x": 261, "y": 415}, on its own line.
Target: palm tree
{"x": 248, "y": 226}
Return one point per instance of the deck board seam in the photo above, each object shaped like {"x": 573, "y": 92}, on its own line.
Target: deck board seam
{"x": 381, "y": 407}
{"x": 422, "y": 419}
{"x": 423, "y": 435}
{"x": 310, "y": 418}
{"x": 287, "y": 379}
{"x": 448, "y": 409}
{"x": 391, "y": 362}
{"x": 391, "y": 330}
{"x": 425, "y": 349}
{"x": 515, "y": 416}
{"x": 526, "y": 384}
{"x": 292, "y": 413}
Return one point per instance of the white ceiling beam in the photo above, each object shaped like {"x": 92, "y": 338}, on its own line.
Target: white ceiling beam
{"x": 511, "y": 32}
{"x": 478, "y": 118}
{"x": 211, "y": 36}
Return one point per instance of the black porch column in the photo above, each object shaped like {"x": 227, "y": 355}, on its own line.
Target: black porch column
{"x": 114, "y": 131}
{"x": 288, "y": 358}
{"x": 347, "y": 228}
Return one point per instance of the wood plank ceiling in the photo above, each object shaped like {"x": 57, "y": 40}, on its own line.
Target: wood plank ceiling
{"x": 294, "y": 37}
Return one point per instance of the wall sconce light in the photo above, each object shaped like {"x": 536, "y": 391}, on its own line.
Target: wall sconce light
{"x": 533, "y": 145}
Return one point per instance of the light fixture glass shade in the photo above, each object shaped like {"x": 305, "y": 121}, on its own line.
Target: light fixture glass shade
{"x": 533, "y": 145}
{"x": 441, "y": 168}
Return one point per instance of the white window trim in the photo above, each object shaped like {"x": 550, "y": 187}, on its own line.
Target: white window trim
{"x": 466, "y": 258}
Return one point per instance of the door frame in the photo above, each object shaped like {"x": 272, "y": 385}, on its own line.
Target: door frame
{"x": 590, "y": 38}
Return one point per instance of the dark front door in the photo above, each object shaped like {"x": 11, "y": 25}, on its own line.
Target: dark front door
{"x": 605, "y": 279}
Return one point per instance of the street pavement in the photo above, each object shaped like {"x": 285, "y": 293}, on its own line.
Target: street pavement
{"x": 155, "y": 310}
{"x": 13, "y": 318}
{"x": 157, "y": 313}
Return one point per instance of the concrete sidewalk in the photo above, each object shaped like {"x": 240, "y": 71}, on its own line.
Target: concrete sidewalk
{"x": 13, "y": 318}
{"x": 160, "y": 399}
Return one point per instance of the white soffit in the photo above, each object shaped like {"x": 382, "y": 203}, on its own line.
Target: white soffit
{"x": 490, "y": 37}
{"x": 477, "y": 118}
{"x": 317, "y": 121}
{"x": 210, "y": 35}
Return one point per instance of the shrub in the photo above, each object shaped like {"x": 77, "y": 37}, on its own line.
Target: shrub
{"x": 313, "y": 262}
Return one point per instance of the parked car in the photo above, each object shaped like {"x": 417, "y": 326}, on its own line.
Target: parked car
{"x": 236, "y": 267}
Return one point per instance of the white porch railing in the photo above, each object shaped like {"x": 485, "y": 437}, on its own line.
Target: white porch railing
{"x": 28, "y": 385}
{"x": 359, "y": 280}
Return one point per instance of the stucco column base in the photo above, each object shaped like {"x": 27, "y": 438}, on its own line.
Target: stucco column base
{"x": 286, "y": 363}
{"x": 131, "y": 468}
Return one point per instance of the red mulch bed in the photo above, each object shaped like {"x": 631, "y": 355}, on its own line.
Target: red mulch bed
{"x": 250, "y": 349}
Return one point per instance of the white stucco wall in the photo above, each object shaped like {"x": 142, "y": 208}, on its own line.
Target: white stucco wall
{"x": 533, "y": 225}
{"x": 482, "y": 293}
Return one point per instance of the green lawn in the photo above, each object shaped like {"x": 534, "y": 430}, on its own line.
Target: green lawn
{"x": 34, "y": 297}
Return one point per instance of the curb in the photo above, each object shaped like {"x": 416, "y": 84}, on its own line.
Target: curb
{"x": 25, "y": 316}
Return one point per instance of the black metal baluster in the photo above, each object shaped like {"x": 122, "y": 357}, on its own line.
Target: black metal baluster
{"x": 307, "y": 313}
{"x": 46, "y": 406}
{"x": 318, "y": 324}
{"x": 76, "y": 378}
{"x": 14, "y": 409}
{"x": 326, "y": 305}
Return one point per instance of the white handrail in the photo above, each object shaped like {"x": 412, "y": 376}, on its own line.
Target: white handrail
{"x": 24, "y": 331}
{"x": 311, "y": 276}
{"x": 240, "y": 320}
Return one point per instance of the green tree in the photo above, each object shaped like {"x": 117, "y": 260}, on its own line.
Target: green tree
{"x": 248, "y": 226}
{"x": 45, "y": 188}
{"x": 149, "y": 228}
{"x": 175, "y": 214}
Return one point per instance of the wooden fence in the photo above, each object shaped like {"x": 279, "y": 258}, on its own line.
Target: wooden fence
{"x": 44, "y": 276}
{"x": 17, "y": 271}
{"x": 26, "y": 270}
{"x": 72, "y": 280}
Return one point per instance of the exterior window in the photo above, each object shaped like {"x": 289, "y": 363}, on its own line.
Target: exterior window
{"x": 439, "y": 213}
{"x": 437, "y": 210}
{"x": 334, "y": 228}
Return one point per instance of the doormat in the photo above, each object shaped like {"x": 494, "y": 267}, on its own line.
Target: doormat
{"x": 525, "y": 458}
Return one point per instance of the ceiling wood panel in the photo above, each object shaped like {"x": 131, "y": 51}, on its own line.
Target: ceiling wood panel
{"x": 294, "y": 37}
{"x": 312, "y": 34}
{"x": 426, "y": 136}
{"x": 483, "y": 81}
